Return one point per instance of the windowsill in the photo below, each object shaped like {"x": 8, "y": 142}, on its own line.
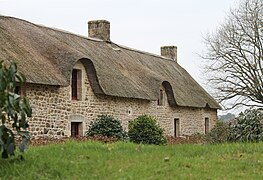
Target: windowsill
{"x": 74, "y": 99}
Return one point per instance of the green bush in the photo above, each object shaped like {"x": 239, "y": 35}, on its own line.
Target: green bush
{"x": 218, "y": 134}
{"x": 14, "y": 110}
{"x": 105, "y": 125}
{"x": 144, "y": 129}
{"x": 248, "y": 127}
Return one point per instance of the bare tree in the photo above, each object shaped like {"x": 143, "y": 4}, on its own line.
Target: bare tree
{"x": 234, "y": 57}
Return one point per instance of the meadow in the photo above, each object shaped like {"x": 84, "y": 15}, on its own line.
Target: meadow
{"x": 125, "y": 160}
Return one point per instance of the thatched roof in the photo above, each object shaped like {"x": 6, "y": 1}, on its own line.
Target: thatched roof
{"x": 47, "y": 56}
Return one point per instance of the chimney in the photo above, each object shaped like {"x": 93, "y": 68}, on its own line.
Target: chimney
{"x": 169, "y": 52}
{"x": 99, "y": 29}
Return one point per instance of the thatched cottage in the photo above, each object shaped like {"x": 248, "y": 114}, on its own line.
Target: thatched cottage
{"x": 71, "y": 79}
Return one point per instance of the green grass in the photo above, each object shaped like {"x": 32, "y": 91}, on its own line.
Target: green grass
{"x": 95, "y": 160}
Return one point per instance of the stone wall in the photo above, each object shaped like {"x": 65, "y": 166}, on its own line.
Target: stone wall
{"x": 53, "y": 110}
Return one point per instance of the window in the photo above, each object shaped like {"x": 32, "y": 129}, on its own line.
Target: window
{"x": 76, "y": 129}
{"x": 20, "y": 90}
{"x": 160, "y": 101}
{"x": 76, "y": 84}
{"x": 176, "y": 127}
{"x": 76, "y": 126}
{"x": 206, "y": 125}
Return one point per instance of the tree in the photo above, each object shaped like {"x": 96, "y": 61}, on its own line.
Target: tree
{"x": 234, "y": 58}
{"x": 248, "y": 127}
{"x": 13, "y": 110}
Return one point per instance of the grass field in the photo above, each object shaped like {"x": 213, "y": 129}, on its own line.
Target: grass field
{"x": 95, "y": 160}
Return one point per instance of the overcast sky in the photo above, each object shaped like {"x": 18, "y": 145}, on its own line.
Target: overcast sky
{"x": 141, "y": 24}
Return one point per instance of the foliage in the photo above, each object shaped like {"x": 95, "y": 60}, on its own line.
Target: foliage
{"x": 218, "y": 134}
{"x": 234, "y": 60}
{"x": 226, "y": 117}
{"x": 144, "y": 129}
{"x": 105, "y": 125}
{"x": 248, "y": 128}
{"x": 13, "y": 110}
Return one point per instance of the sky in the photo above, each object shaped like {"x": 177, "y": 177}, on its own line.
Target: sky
{"x": 140, "y": 24}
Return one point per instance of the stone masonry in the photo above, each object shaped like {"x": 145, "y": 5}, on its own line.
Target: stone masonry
{"x": 53, "y": 110}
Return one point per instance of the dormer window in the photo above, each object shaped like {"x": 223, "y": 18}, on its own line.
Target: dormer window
{"x": 76, "y": 84}
{"x": 160, "y": 101}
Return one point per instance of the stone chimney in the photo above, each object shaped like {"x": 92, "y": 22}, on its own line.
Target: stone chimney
{"x": 99, "y": 29}
{"x": 169, "y": 52}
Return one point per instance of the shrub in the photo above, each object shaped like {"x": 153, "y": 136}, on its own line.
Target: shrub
{"x": 105, "y": 125}
{"x": 218, "y": 134}
{"x": 248, "y": 127}
{"x": 196, "y": 138}
{"x": 14, "y": 110}
{"x": 144, "y": 129}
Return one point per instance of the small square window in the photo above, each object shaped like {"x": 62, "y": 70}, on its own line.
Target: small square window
{"x": 76, "y": 129}
{"x": 20, "y": 90}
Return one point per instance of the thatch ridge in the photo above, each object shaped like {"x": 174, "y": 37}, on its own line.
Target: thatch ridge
{"x": 143, "y": 52}
{"x": 47, "y": 55}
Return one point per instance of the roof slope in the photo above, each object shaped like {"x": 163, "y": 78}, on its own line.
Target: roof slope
{"x": 47, "y": 56}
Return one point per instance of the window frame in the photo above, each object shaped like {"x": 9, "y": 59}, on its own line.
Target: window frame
{"x": 76, "y": 84}
{"x": 207, "y": 124}
{"x": 160, "y": 101}
{"x": 20, "y": 90}
{"x": 75, "y": 130}
{"x": 176, "y": 127}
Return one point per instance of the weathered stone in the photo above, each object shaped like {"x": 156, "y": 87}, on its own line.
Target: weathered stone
{"x": 45, "y": 131}
{"x": 54, "y": 117}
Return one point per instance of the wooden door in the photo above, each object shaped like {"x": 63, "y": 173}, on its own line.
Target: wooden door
{"x": 75, "y": 129}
